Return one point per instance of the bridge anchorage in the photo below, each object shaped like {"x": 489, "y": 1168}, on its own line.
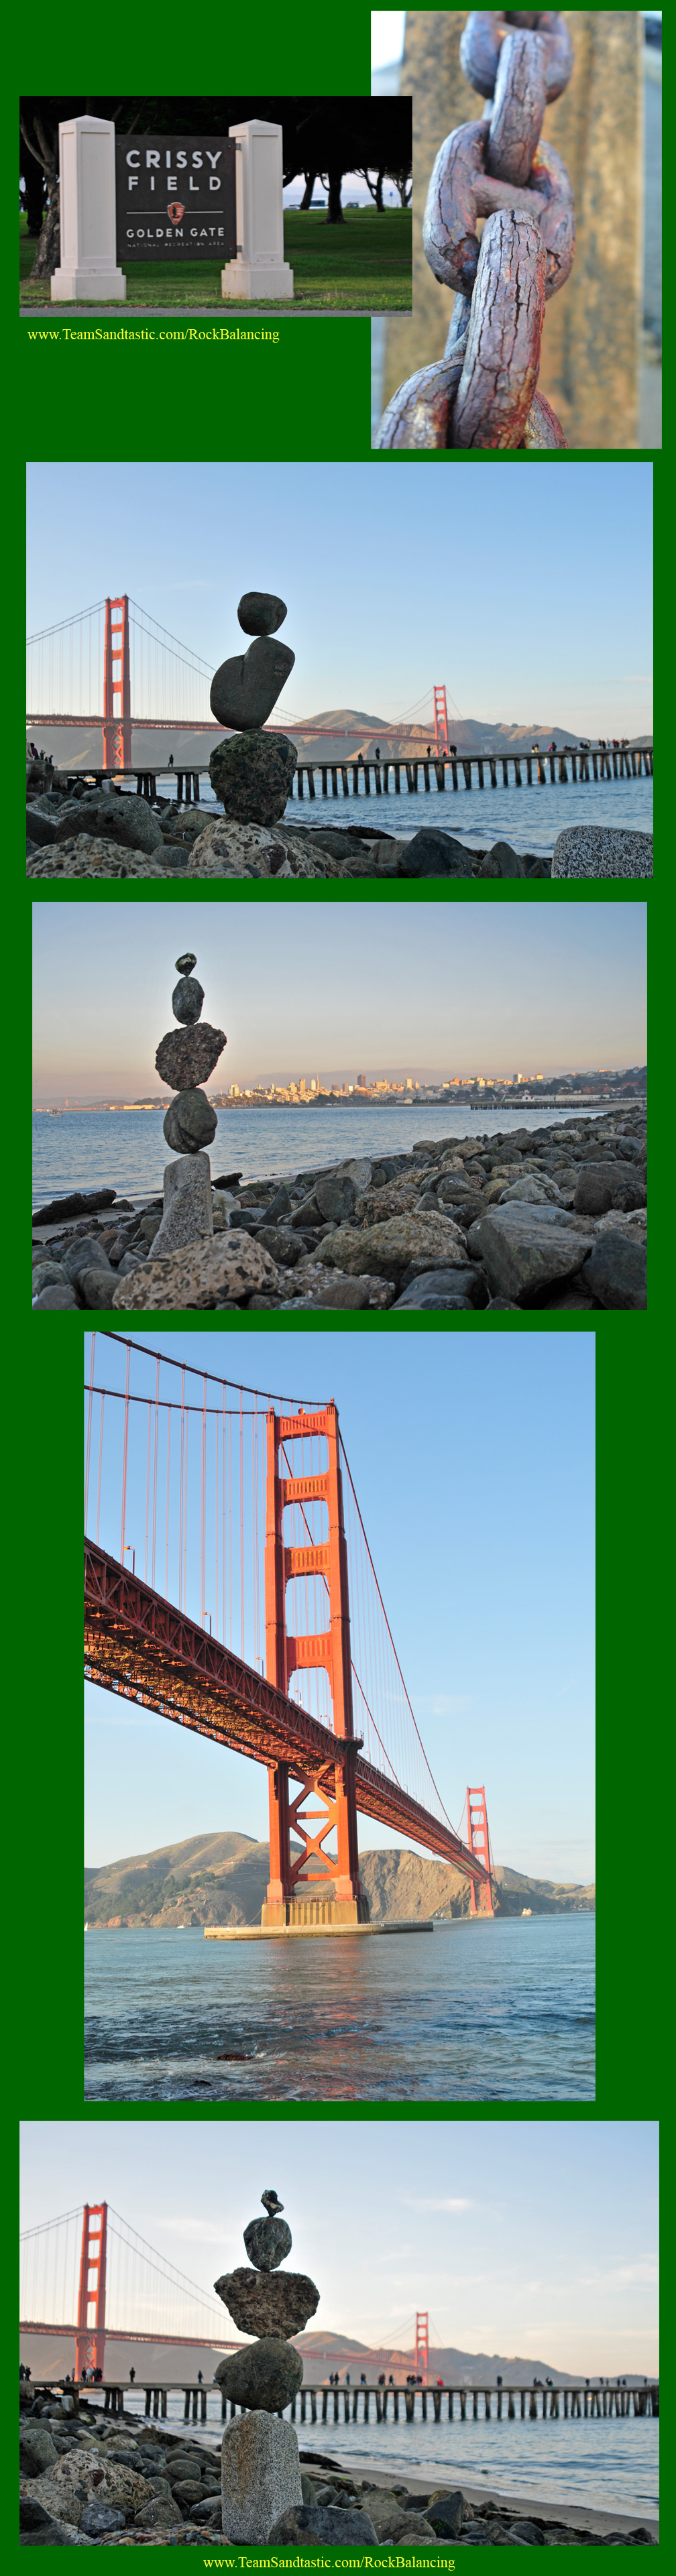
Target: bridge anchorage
{"x": 329, "y": 1651}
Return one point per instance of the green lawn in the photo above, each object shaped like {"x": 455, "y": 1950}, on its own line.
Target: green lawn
{"x": 361, "y": 266}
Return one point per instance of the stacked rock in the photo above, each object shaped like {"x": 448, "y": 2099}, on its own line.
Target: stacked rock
{"x": 261, "y": 2465}
{"x": 252, "y": 774}
{"x": 185, "y": 1058}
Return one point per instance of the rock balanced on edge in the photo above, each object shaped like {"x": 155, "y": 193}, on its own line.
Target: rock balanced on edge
{"x": 261, "y": 2465}
{"x": 252, "y": 773}
{"x": 185, "y": 1058}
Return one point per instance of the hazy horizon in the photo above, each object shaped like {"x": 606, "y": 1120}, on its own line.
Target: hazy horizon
{"x": 470, "y": 989}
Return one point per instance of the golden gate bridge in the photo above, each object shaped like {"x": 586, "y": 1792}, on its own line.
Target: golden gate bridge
{"x": 229, "y": 1586}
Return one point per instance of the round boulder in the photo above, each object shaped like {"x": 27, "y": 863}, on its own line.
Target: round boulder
{"x": 187, "y": 997}
{"x": 268, "y": 2303}
{"x": 268, "y": 2240}
{"x": 260, "y": 613}
{"x": 125, "y": 819}
{"x": 252, "y": 776}
{"x": 190, "y": 1123}
{"x": 591, "y": 850}
{"x": 265, "y": 2375}
{"x": 187, "y": 1057}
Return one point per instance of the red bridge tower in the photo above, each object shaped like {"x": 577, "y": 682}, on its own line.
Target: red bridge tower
{"x": 330, "y": 1893}
{"x": 116, "y": 719}
{"x": 90, "y": 2337}
{"x": 481, "y": 1901}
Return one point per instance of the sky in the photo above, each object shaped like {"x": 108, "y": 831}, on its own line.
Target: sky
{"x": 519, "y": 593}
{"x": 514, "y": 2243}
{"x": 473, "y": 1464}
{"x": 454, "y": 988}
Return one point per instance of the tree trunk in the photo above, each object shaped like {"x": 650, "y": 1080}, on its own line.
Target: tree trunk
{"x": 49, "y": 246}
{"x": 306, "y": 199}
{"x": 334, "y": 211}
{"x": 379, "y": 192}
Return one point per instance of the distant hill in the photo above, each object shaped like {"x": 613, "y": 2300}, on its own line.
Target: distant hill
{"x": 222, "y": 1879}
{"x": 322, "y": 2352}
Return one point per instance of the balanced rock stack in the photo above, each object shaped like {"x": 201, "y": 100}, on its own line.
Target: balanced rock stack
{"x": 261, "y": 2466}
{"x": 252, "y": 773}
{"x": 184, "y": 1059}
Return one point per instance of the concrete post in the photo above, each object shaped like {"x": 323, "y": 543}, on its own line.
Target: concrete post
{"x": 260, "y": 271}
{"x": 89, "y": 267}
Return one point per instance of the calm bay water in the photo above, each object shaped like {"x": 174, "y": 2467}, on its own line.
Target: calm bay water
{"x": 125, "y": 1150}
{"x": 530, "y": 817}
{"x": 606, "y": 2465}
{"x": 499, "y": 2011}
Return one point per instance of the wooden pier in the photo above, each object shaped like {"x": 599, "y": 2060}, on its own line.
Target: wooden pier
{"x": 376, "y": 2404}
{"x": 540, "y": 769}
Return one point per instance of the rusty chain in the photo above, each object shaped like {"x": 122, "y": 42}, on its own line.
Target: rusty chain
{"x": 483, "y": 392}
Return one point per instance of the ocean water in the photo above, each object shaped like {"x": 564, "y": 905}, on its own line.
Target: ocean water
{"x": 483, "y": 2011}
{"x": 125, "y": 1150}
{"x": 529, "y": 817}
{"x": 607, "y": 2465}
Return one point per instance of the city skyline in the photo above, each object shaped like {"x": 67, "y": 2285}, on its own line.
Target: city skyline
{"x": 434, "y": 612}
{"x": 463, "y": 986}
{"x": 491, "y": 2239}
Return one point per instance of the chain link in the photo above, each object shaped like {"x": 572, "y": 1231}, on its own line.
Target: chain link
{"x": 483, "y": 392}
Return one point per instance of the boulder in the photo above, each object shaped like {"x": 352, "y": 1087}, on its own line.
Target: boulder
{"x": 388, "y": 1248}
{"x": 266, "y": 2374}
{"x": 55, "y": 1300}
{"x": 128, "y": 820}
{"x": 48, "y": 1274}
{"x": 99, "y": 2518}
{"x": 186, "y": 1057}
{"x": 80, "y": 1203}
{"x": 442, "y": 1288}
{"x": 336, "y": 2524}
{"x": 89, "y": 855}
{"x": 86, "y": 1254}
{"x": 338, "y": 1293}
{"x": 609, "y": 1185}
{"x": 591, "y": 850}
{"x": 260, "y": 2475}
{"x": 190, "y": 1122}
{"x": 527, "y": 1251}
{"x": 617, "y": 1271}
{"x": 36, "y": 2450}
{"x": 245, "y": 688}
{"x": 435, "y": 854}
{"x": 503, "y": 861}
{"x": 42, "y": 827}
{"x": 280, "y": 1240}
{"x": 268, "y": 2303}
{"x": 252, "y": 776}
{"x": 188, "y": 1211}
{"x": 267, "y": 2241}
{"x": 446, "y": 2513}
{"x": 336, "y": 1198}
{"x": 220, "y": 1271}
{"x": 187, "y": 999}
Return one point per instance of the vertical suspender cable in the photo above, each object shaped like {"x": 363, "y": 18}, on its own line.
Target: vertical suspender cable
{"x": 98, "y": 1487}
{"x": 241, "y": 1516}
{"x": 145, "y": 1562}
{"x": 124, "y": 1455}
{"x": 180, "y": 1492}
{"x": 203, "y": 1508}
{"x": 166, "y": 1525}
{"x": 157, "y": 1418}
{"x": 89, "y": 1428}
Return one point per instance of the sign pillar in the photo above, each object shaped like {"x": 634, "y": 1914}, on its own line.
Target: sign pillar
{"x": 260, "y": 270}
{"x": 88, "y": 267}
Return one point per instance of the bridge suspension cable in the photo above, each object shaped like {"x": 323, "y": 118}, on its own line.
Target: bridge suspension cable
{"x": 144, "y": 2292}
{"x": 65, "y": 670}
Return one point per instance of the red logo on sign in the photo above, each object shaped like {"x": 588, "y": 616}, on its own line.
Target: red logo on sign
{"x": 175, "y": 213}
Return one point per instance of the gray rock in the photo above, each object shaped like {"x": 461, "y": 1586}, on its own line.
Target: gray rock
{"x": 187, "y": 1056}
{"x": 188, "y": 1212}
{"x": 97, "y": 2518}
{"x": 184, "y": 965}
{"x": 527, "y": 1251}
{"x": 324, "y": 2522}
{"x": 307, "y": 1213}
{"x": 260, "y": 613}
{"x": 159, "y": 2514}
{"x": 336, "y": 1198}
{"x": 435, "y": 854}
{"x": 86, "y": 1254}
{"x": 190, "y": 1122}
{"x": 267, "y": 2241}
{"x": 187, "y": 999}
{"x": 447, "y": 2513}
{"x": 263, "y": 2375}
{"x": 55, "y": 1300}
{"x": 617, "y": 1271}
{"x": 244, "y": 690}
{"x": 390, "y": 1247}
{"x": 608, "y": 1185}
{"x": 590, "y": 850}
{"x": 336, "y": 1292}
{"x": 268, "y": 2303}
{"x": 443, "y": 1288}
{"x": 96, "y": 1286}
{"x": 129, "y": 821}
{"x": 80, "y": 1203}
{"x": 42, "y": 827}
{"x": 48, "y": 1274}
{"x": 252, "y": 777}
{"x": 36, "y": 2450}
{"x": 525, "y": 2531}
{"x": 260, "y": 2475}
{"x": 280, "y": 1205}
{"x": 222, "y": 1271}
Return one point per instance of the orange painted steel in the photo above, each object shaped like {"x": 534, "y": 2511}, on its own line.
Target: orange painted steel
{"x": 477, "y": 1836}
{"x": 421, "y": 2344}
{"x": 440, "y": 720}
{"x": 140, "y": 1647}
{"x": 117, "y": 721}
{"x": 90, "y": 2339}
{"x": 333, "y": 1789}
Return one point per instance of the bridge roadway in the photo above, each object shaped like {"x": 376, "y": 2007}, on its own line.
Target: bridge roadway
{"x": 138, "y": 1645}
{"x": 325, "y": 2405}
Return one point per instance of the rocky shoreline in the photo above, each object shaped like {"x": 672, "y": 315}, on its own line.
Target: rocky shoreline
{"x": 553, "y": 1219}
{"x": 100, "y": 832}
{"x": 90, "y": 2480}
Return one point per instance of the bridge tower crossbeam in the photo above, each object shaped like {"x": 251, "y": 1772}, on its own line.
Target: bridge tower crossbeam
{"x": 440, "y": 721}
{"x": 299, "y": 1893}
{"x": 117, "y": 684}
{"x": 481, "y": 1897}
